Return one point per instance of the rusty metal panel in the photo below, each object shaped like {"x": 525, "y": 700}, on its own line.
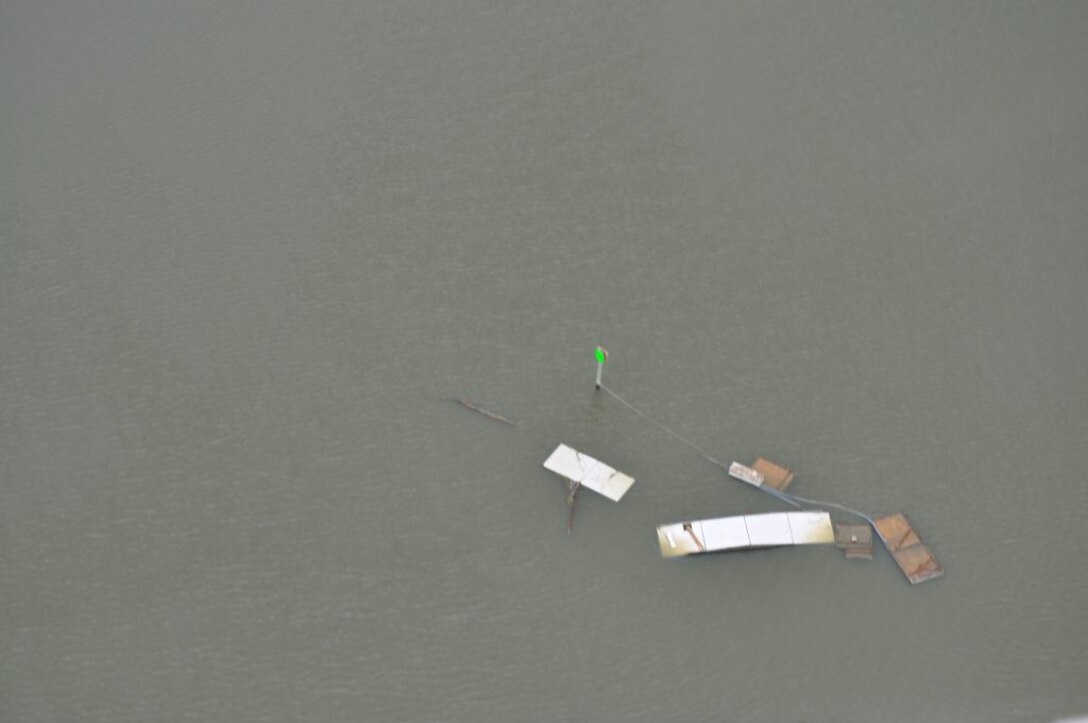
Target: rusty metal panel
{"x": 855, "y": 540}
{"x": 774, "y": 475}
{"x": 906, "y": 547}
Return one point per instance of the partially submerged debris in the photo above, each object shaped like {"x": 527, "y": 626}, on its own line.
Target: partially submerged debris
{"x": 913, "y": 558}
{"x": 588, "y": 472}
{"x": 581, "y": 470}
{"x": 762, "y": 473}
{"x": 469, "y": 405}
{"x": 855, "y": 540}
{"x": 572, "y": 497}
{"x": 686, "y": 538}
{"x": 743, "y": 532}
{"x": 774, "y": 475}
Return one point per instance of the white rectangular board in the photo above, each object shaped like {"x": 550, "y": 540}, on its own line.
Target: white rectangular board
{"x": 745, "y": 531}
{"x": 726, "y": 533}
{"x": 589, "y": 472}
{"x": 811, "y": 528}
{"x": 746, "y": 474}
{"x": 769, "y": 530}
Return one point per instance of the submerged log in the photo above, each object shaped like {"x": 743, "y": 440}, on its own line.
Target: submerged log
{"x": 572, "y": 498}
{"x": 491, "y": 415}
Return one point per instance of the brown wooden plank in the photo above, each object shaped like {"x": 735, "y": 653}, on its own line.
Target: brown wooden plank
{"x": 918, "y": 564}
{"x": 774, "y": 475}
{"x": 913, "y": 557}
{"x": 895, "y": 531}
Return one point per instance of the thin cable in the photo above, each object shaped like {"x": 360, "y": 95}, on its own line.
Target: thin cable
{"x": 844, "y": 508}
{"x": 780, "y": 495}
{"x": 783, "y": 496}
{"x": 650, "y": 419}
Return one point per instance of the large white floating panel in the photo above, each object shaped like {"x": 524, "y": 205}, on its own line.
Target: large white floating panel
{"x": 589, "y": 472}
{"x": 742, "y": 532}
{"x": 768, "y": 530}
{"x": 811, "y": 528}
{"x": 726, "y": 533}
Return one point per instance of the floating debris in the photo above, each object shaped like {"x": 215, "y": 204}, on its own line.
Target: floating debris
{"x": 572, "y": 497}
{"x": 742, "y": 532}
{"x": 746, "y": 474}
{"x": 774, "y": 475}
{"x": 763, "y": 472}
{"x": 588, "y": 472}
{"x": 469, "y": 405}
{"x": 749, "y": 531}
{"x": 913, "y": 558}
{"x": 581, "y": 470}
{"x": 855, "y": 540}
{"x": 765, "y": 476}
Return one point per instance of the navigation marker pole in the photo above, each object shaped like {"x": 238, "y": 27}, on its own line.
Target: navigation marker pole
{"x": 602, "y": 357}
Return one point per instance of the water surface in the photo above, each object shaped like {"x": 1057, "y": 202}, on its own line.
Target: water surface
{"x": 249, "y": 249}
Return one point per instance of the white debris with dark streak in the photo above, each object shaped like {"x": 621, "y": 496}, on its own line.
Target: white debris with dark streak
{"x": 591, "y": 473}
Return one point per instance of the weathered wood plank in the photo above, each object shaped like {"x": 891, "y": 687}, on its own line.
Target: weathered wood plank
{"x": 906, "y": 548}
{"x": 774, "y": 475}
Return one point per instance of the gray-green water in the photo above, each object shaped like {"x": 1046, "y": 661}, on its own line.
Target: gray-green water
{"x": 248, "y": 248}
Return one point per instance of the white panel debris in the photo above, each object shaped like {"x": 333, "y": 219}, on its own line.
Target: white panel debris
{"x": 589, "y": 472}
{"x": 726, "y": 533}
{"x": 746, "y": 474}
{"x": 769, "y": 530}
{"x": 810, "y": 528}
{"x": 745, "y": 531}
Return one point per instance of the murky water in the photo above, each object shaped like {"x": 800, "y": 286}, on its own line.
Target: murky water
{"x": 249, "y": 249}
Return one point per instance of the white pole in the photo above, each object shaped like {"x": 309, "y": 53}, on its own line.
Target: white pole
{"x": 602, "y": 356}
